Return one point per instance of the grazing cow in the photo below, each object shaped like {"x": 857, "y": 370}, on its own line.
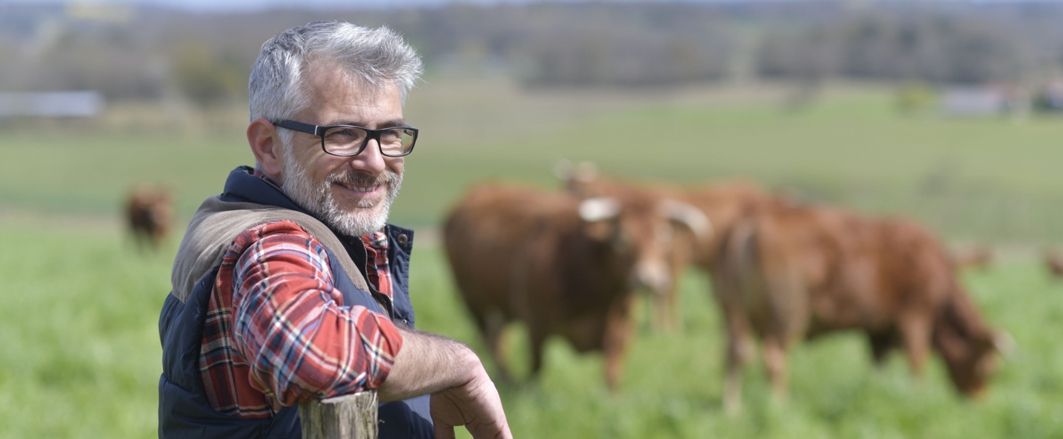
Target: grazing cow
{"x": 722, "y": 202}
{"x": 149, "y": 215}
{"x": 560, "y": 264}
{"x": 1054, "y": 263}
{"x": 789, "y": 273}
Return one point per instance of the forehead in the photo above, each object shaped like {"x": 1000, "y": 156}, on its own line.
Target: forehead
{"x": 336, "y": 93}
{"x": 642, "y": 219}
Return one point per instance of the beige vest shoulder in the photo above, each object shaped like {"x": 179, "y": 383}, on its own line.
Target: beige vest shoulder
{"x": 217, "y": 223}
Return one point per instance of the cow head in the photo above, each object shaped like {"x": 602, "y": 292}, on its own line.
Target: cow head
{"x": 641, "y": 233}
{"x": 970, "y": 349}
{"x": 161, "y": 209}
{"x": 149, "y": 213}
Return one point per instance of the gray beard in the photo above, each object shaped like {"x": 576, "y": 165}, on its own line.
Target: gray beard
{"x": 318, "y": 199}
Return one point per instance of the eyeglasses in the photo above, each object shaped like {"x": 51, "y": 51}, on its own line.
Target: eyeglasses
{"x": 350, "y": 140}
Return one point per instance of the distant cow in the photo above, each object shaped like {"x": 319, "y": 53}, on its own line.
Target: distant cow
{"x": 149, "y": 215}
{"x": 722, "y": 202}
{"x": 560, "y": 264}
{"x": 1054, "y": 263}
{"x": 789, "y": 273}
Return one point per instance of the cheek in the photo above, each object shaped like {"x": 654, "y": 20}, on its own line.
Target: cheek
{"x": 396, "y": 165}
{"x": 317, "y": 168}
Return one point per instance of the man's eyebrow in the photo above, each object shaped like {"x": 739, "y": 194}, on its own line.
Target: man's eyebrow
{"x": 385, "y": 124}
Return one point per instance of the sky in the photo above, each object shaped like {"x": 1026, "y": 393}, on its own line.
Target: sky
{"x": 251, "y": 5}
{"x": 248, "y": 5}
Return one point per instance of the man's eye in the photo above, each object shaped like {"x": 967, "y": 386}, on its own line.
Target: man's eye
{"x": 345, "y": 133}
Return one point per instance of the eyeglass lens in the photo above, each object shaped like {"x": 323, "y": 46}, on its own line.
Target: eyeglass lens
{"x": 348, "y": 140}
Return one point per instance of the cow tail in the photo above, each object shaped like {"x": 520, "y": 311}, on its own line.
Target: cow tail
{"x": 737, "y": 260}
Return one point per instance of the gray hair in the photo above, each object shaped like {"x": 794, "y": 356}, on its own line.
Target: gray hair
{"x": 372, "y": 56}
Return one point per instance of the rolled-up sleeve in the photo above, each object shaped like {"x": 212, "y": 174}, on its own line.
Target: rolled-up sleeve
{"x": 290, "y": 324}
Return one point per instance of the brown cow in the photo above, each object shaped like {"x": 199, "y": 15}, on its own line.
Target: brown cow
{"x": 789, "y": 273}
{"x": 722, "y": 202}
{"x": 1054, "y": 263}
{"x": 560, "y": 264}
{"x": 149, "y": 215}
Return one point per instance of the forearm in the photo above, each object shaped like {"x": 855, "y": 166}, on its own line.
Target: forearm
{"x": 429, "y": 363}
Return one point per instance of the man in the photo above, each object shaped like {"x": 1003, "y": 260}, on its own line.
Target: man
{"x": 289, "y": 286}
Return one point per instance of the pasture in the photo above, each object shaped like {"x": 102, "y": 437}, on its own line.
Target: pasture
{"x": 80, "y": 353}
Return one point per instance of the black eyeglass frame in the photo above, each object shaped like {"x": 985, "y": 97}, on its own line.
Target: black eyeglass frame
{"x": 319, "y": 130}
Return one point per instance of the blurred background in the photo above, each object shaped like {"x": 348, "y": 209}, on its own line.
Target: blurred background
{"x": 948, "y": 112}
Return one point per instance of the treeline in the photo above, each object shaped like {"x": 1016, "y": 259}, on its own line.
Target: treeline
{"x": 934, "y": 49}
{"x": 579, "y": 44}
{"x": 152, "y": 53}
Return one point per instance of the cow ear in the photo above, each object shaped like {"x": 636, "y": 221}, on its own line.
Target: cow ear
{"x": 575, "y": 176}
{"x": 585, "y": 172}
{"x": 564, "y": 170}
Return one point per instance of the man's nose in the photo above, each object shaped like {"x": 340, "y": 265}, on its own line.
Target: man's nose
{"x": 370, "y": 160}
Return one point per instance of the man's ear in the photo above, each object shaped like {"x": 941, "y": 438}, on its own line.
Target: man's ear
{"x": 266, "y": 146}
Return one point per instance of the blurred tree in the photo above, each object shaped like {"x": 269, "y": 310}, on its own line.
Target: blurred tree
{"x": 616, "y": 55}
{"x": 208, "y": 77}
{"x": 568, "y": 43}
{"x": 97, "y": 58}
{"x": 932, "y": 48}
{"x": 915, "y": 97}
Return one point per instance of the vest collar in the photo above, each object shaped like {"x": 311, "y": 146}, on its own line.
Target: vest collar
{"x": 243, "y": 185}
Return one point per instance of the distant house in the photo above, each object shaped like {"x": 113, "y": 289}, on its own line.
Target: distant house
{"x": 51, "y": 104}
{"x": 985, "y": 100}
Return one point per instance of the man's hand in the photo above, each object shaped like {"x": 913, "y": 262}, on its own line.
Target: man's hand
{"x": 475, "y": 405}
{"x": 462, "y": 392}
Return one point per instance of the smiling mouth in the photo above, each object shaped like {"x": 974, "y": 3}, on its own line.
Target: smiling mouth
{"x": 360, "y": 189}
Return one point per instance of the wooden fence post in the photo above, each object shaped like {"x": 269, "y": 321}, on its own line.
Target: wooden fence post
{"x": 351, "y": 416}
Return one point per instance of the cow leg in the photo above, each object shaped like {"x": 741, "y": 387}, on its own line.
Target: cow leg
{"x": 915, "y": 331}
{"x": 665, "y": 310}
{"x": 775, "y": 361}
{"x": 615, "y": 340}
{"x": 674, "y": 317}
{"x": 881, "y": 343}
{"x": 740, "y": 348}
{"x": 536, "y": 339}
{"x": 738, "y": 356}
{"x": 492, "y": 325}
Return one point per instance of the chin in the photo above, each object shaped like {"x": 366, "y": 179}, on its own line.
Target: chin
{"x": 349, "y": 216}
{"x": 358, "y": 221}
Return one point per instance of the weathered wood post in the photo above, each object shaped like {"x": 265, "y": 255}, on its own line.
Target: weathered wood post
{"x": 351, "y": 416}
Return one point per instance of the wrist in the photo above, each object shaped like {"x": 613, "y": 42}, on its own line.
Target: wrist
{"x": 471, "y": 367}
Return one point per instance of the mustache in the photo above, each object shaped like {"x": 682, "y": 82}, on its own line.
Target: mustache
{"x": 387, "y": 178}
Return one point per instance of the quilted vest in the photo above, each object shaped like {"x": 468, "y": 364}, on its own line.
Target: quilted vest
{"x": 246, "y": 202}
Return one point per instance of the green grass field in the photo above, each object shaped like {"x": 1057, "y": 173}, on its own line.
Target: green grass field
{"x": 79, "y": 350}
{"x": 81, "y": 359}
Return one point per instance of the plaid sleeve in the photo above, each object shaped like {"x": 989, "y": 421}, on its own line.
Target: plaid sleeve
{"x": 290, "y": 325}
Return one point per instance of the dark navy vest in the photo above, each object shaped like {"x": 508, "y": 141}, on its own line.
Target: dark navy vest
{"x": 183, "y": 408}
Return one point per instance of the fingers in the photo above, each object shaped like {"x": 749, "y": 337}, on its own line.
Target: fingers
{"x": 490, "y": 432}
{"x": 479, "y": 410}
{"x": 443, "y": 431}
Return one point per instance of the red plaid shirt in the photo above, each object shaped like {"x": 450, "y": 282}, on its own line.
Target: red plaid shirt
{"x": 277, "y": 332}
